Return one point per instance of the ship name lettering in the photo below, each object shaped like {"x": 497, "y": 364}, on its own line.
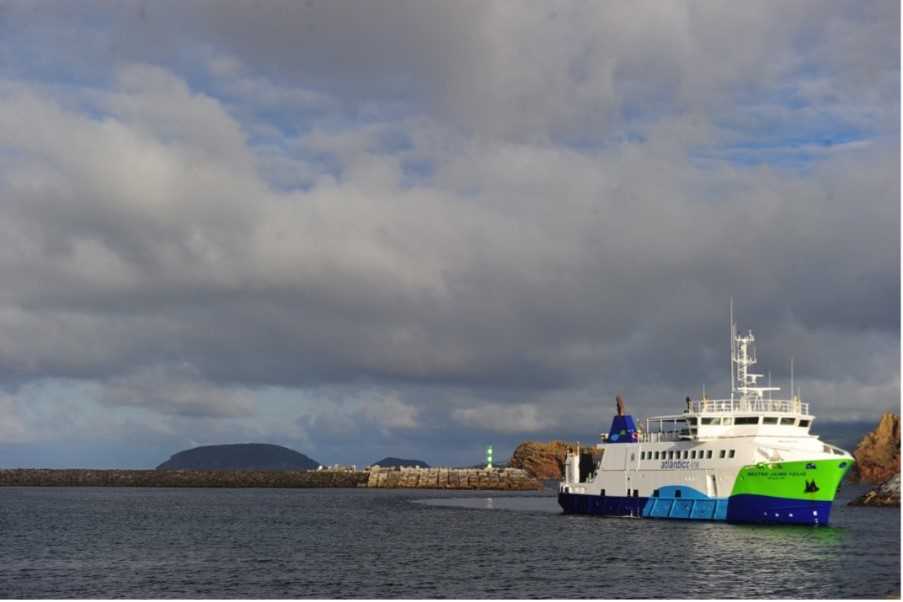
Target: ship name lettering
{"x": 679, "y": 465}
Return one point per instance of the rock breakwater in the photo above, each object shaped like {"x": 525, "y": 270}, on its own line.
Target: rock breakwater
{"x": 510, "y": 479}
{"x": 36, "y": 477}
{"x": 407, "y": 478}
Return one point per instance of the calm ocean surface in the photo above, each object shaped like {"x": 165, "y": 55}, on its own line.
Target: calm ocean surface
{"x": 331, "y": 543}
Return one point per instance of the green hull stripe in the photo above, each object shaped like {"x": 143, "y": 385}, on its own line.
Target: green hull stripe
{"x": 813, "y": 480}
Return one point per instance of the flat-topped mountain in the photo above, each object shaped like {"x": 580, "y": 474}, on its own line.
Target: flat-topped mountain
{"x": 239, "y": 456}
{"x": 390, "y": 461}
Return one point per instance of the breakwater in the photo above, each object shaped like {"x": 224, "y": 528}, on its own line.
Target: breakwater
{"x": 40, "y": 477}
{"x": 433, "y": 478}
{"x": 509, "y": 479}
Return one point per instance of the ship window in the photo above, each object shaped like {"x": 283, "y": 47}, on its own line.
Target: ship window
{"x": 693, "y": 454}
{"x": 804, "y": 423}
{"x": 670, "y": 455}
{"x": 636, "y": 493}
{"x": 709, "y": 420}
{"x": 656, "y": 455}
{"x": 770, "y": 420}
{"x": 677, "y": 493}
{"x": 602, "y": 493}
{"x": 655, "y": 493}
{"x": 642, "y": 455}
{"x": 632, "y": 457}
{"x": 708, "y": 454}
{"x": 722, "y": 454}
{"x": 731, "y": 454}
{"x": 727, "y": 421}
{"x": 746, "y": 420}
{"x": 691, "y": 421}
{"x": 686, "y": 454}
{"x": 788, "y": 421}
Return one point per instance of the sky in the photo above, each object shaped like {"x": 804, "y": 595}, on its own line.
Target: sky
{"x": 416, "y": 228}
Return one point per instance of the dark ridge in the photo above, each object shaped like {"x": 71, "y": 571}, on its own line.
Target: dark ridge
{"x": 239, "y": 456}
{"x": 390, "y": 461}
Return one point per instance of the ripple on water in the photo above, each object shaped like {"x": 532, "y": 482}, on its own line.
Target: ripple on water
{"x": 199, "y": 543}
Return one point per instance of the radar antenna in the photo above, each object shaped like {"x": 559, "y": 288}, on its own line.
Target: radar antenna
{"x": 744, "y": 357}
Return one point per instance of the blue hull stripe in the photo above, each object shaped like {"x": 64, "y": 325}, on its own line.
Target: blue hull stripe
{"x": 763, "y": 509}
{"x": 758, "y": 509}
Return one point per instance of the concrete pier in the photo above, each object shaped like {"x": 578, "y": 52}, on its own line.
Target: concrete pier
{"x": 380, "y": 478}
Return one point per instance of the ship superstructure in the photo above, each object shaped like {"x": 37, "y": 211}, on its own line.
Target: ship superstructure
{"x": 745, "y": 459}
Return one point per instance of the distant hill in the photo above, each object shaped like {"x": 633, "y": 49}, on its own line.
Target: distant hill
{"x": 239, "y": 456}
{"x": 387, "y": 462}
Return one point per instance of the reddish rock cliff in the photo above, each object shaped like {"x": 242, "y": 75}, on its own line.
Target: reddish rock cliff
{"x": 878, "y": 454}
{"x": 542, "y": 460}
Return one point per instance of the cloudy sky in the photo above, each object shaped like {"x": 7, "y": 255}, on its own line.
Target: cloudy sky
{"x": 415, "y": 228}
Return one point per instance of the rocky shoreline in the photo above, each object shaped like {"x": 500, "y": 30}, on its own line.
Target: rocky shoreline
{"x": 408, "y": 478}
{"x": 878, "y": 461}
{"x": 887, "y": 494}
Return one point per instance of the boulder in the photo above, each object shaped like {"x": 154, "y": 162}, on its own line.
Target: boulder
{"x": 885, "y": 494}
{"x": 878, "y": 454}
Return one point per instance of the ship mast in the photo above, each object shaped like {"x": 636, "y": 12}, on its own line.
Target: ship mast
{"x": 744, "y": 358}
{"x": 733, "y": 335}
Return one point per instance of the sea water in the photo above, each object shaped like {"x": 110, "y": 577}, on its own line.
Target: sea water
{"x": 332, "y": 543}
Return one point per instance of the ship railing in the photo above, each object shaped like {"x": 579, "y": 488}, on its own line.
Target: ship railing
{"x": 647, "y": 437}
{"x": 787, "y": 406}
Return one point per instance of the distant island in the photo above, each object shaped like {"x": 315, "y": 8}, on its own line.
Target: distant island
{"x": 239, "y": 456}
{"x": 400, "y": 462}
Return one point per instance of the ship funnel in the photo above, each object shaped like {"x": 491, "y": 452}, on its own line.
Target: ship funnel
{"x": 623, "y": 428}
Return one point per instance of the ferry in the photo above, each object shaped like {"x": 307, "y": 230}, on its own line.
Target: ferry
{"x": 746, "y": 459}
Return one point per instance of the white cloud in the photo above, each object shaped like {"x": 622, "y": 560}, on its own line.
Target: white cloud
{"x": 177, "y": 390}
{"x": 12, "y": 427}
{"x": 518, "y": 418}
{"x": 527, "y": 203}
